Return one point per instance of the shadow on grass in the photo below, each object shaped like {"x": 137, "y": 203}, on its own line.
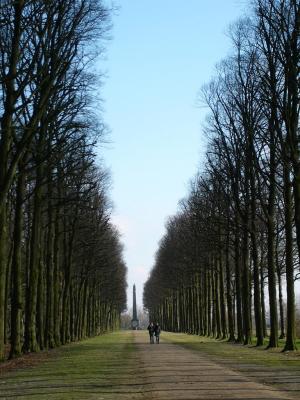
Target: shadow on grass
{"x": 77, "y": 370}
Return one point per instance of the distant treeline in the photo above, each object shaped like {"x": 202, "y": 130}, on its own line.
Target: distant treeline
{"x": 237, "y": 234}
{"x": 62, "y": 276}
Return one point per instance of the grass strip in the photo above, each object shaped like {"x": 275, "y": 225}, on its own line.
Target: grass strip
{"x": 99, "y": 368}
{"x": 237, "y": 353}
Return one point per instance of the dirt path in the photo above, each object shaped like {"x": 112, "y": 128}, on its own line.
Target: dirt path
{"x": 174, "y": 372}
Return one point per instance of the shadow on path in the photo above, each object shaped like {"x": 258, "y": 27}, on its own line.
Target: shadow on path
{"x": 174, "y": 372}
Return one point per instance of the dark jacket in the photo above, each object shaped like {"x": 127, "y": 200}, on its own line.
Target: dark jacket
{"x": 157, "y": 330}
{"x": 151, "y": 329}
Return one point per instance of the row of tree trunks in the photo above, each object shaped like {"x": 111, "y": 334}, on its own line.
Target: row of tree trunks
{"x": 54, "y": 210}
{"x": 245, "y": 203}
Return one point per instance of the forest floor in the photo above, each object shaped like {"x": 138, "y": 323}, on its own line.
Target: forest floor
{"x": 125, "y": 366}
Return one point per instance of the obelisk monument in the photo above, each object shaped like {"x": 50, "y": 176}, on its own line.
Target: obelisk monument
{"x": 134, "y": 321}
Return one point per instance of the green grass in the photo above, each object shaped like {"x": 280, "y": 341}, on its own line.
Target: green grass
{"x": 281, "y": 342}
{"x": 237, "y": 353}
{"x": 97, "y": 368}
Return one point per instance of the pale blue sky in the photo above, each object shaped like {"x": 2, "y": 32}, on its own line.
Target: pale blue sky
{"x": 161, "y": 53}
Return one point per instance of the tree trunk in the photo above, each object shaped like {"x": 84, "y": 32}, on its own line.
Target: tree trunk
{"x": 273, "y": 340}
{"x": 246, "y": 294}
{"x": 290, "y": 343}
{"x": 17, "y": 298}
{"x": 222, "y": 299}
{"x": 56, "y": 283}
{"x": 40, "y": 320}
{"x": 49, "y": 319}
{"x": 30, "y": 344}
{"x": 217, "y": 300}
{"x": 229, "y": 296}
{"x": 281, "y": 312}
{"x": 6, "y": 174}
{"x": 257, "y": 292}
{"x": 239, "y": 316}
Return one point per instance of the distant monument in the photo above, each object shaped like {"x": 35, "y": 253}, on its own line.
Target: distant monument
{"x": 134, "y": 321}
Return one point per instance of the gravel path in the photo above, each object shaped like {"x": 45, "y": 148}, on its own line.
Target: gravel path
{"x": 174, "y": 372}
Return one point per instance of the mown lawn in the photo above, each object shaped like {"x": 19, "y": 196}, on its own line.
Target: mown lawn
{"x": 238, "y": 353}
{"x": 99, "y": 368}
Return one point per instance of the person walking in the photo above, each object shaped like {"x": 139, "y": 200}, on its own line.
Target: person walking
{"x": 151, "y": 332}
{"x": 157, "y": 331}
